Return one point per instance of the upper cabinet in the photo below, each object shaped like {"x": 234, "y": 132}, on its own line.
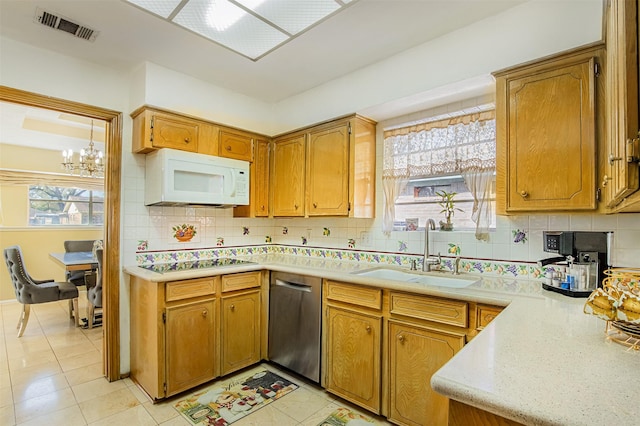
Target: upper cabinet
{"x": 546, "y": 133}
{"x": 326, "y": 170}
{"x": 236, "y": 144}
{"x": 621, "y": 181}
{"x": 258, "y": 181}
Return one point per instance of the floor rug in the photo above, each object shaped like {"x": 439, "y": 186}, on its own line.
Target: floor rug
{"x": 344, "y": 417}
{"x": 223, "y": 404}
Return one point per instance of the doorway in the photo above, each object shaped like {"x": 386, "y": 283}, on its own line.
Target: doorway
{"x": 112, "y": 177}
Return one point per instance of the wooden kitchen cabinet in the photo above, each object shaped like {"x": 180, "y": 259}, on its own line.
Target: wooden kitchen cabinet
{"x": 236, "y": 144}
{"x": 353, "y": 348}
{"x": 415, "y": 354}
{"x": 186, "y": 333}
{"x": 173, "y": 334}
{"x": 546, "y": 133}
{"x": 190, "y": 345}
{"x": 259, "y": 182}
{"x": 287, "y": 178}
{"x": 154, "y": 129}
{"x": 622, "y": 171}
{"x": 338, "y": 170}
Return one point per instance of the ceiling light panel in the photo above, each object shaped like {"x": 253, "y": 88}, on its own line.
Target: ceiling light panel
{"x": 162, "y": 8}
{"x": 251, "y": 28}
{"x": 231, "y": 26}
{"x": 292, "y": 16}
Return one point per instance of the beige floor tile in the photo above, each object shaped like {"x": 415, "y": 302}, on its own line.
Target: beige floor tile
{"x": 320, "y": 415}
{"x": 139, "y": 393}
{"x": 39, "y": 387}
{"x": 84, "y": 374}
{"x": 162, "y": 411}
{"x": 81, "y": 360}
{"x": 177, "y": 421}
{"x": 133, "y": 416}
{"x": 19, "y": 362}
{"x": 6, "y": 395}
{"x": 45, "y": 404}
{"x": 267, "y": 416}
{"x": 301, "y": 403}
{"x": 35, "y": 373}
{"x": 74, "y": 350}
{"x": 7, "y": 415}
{"x": 96, "y": 388}
{"x": 108, "y": 405}
{"x": 70, "y": 416}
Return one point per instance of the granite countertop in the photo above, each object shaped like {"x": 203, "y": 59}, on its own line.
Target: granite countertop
{"x": 542, "y": 361}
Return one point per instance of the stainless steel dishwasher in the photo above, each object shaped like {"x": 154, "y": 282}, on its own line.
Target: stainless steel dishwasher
{"x": 294, "y": 323}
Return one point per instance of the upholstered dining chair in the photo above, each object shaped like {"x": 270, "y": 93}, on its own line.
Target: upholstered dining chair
{"x": 94, "y": 292}
{"x": 30, "y": 291}
{"x": 80, "y": 278}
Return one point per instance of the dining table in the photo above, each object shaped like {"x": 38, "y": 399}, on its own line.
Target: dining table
{"x": 76, "y": 260}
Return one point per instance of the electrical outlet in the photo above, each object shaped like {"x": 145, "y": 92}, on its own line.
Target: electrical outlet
{"x": 365, "y": 238}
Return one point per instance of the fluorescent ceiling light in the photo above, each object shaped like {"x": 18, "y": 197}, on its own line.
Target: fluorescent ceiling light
{"x": 252, "y": 28}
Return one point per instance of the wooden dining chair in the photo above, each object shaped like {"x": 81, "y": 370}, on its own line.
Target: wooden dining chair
{"x": 94, "y": 293}
{"x": 30, "y": 291}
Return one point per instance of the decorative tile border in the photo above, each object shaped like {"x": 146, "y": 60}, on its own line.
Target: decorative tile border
{"x": 488, "y": 267}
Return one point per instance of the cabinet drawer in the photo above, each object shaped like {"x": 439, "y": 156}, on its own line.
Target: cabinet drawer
{"x": 178, "y": 290}
{"x": 240, "y": 281}
{"x": 444, "y": 311}
{"x": 236, "y": 145}
{"x": 357, "y": 295}
{"x": 486, "y": 314}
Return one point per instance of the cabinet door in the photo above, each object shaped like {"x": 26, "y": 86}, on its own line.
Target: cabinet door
{"x": 240, "y": 334}
{"x": 353, "y": 357}
{"x": 328, "y": 171}
{"x": 174, "y": 132}
{"x": 287, "y": 186}
{"x": 622, "y": 101}
{"x": 236, "y": 145}
{"x": 261, "y": 172}
{"x": 190, "y": 345}
{"x": 415, "y": 354}
{"x": 550, "y": 147}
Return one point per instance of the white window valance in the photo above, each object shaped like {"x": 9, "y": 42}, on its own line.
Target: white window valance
{"x": 26, "y": 177}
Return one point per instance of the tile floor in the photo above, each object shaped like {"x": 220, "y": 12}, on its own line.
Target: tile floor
{"x": 53, "y": 375}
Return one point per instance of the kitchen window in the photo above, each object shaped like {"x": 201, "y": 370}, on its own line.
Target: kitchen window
{"x": 455, "y": 155}
{"x": 66, "y": 206}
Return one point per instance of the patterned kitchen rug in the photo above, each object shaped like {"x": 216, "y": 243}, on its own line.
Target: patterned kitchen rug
{"x": 223, "y": 404}
{"x": 343, "y": 417}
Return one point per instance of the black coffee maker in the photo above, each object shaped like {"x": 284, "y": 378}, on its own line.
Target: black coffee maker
{"x": 582, "y": 258}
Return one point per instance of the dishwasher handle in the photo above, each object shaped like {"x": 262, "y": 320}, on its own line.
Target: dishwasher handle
{"x": 293, "y": 286}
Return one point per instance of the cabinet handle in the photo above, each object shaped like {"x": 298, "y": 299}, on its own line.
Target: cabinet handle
{"x": 524, "y": 194}
{"x": 204, "y": 313}
{"x": 368, "y": 328}
{"x": 261, "y": 207}
{"x": 228, "y": 147}
{"x": 232, "y": 307}
{"x": 605, "y": 180}
{"x": 401, "y": 338}
{"x": 187, "y": 140}
{"x": 612, "y": 159}
{"x": 295, "y": 206}
{"x": 315, "y": 205}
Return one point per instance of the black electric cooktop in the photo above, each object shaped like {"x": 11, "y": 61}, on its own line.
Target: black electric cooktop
{"x": 195, "y": 264}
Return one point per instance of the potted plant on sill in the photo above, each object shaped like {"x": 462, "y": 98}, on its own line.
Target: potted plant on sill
{"x": 449, "y": 208}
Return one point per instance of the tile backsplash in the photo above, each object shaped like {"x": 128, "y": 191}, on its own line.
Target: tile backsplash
{"x": 515, "y": 239}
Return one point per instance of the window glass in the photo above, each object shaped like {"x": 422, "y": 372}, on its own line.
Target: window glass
{"x": 54, "y": 205}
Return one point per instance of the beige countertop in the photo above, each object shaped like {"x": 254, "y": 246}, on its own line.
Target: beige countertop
{"x": 542, "y": 361}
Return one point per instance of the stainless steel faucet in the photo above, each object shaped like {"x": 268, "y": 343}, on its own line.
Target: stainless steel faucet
{"x": 456, "y": 266}
{"x": 428, "y": 261}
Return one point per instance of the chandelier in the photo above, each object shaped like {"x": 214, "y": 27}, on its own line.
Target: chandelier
{"x": 90, "y": 164}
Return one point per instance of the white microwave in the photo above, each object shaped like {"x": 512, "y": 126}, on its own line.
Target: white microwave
{"x": 176, "y": 177}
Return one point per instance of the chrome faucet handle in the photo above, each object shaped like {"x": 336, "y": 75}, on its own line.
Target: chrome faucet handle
{"x": 456, "y": 266}
{"x": 439, "y": 258}
{"x": 414, "y": 265}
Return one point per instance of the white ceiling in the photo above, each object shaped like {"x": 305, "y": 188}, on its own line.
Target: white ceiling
{"x": 366, "y": 32}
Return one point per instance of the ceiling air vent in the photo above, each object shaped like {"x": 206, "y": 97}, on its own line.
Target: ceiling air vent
{"x": 61, "y": 23}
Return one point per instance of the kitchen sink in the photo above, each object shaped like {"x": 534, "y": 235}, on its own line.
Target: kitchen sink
{"x": 435, "y": 279}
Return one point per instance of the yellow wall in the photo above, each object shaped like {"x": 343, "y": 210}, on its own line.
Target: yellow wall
{"x": 36, "y": 243}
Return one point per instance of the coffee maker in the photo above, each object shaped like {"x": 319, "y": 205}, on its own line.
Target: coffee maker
{"x": 583, "y": 256}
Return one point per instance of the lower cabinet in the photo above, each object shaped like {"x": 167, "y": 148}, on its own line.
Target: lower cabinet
{"x": 415, "y": 354}
{"x": 190, "y": 347}
{"x": 354, "y": 350}
{"x": 185, "y": 333}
